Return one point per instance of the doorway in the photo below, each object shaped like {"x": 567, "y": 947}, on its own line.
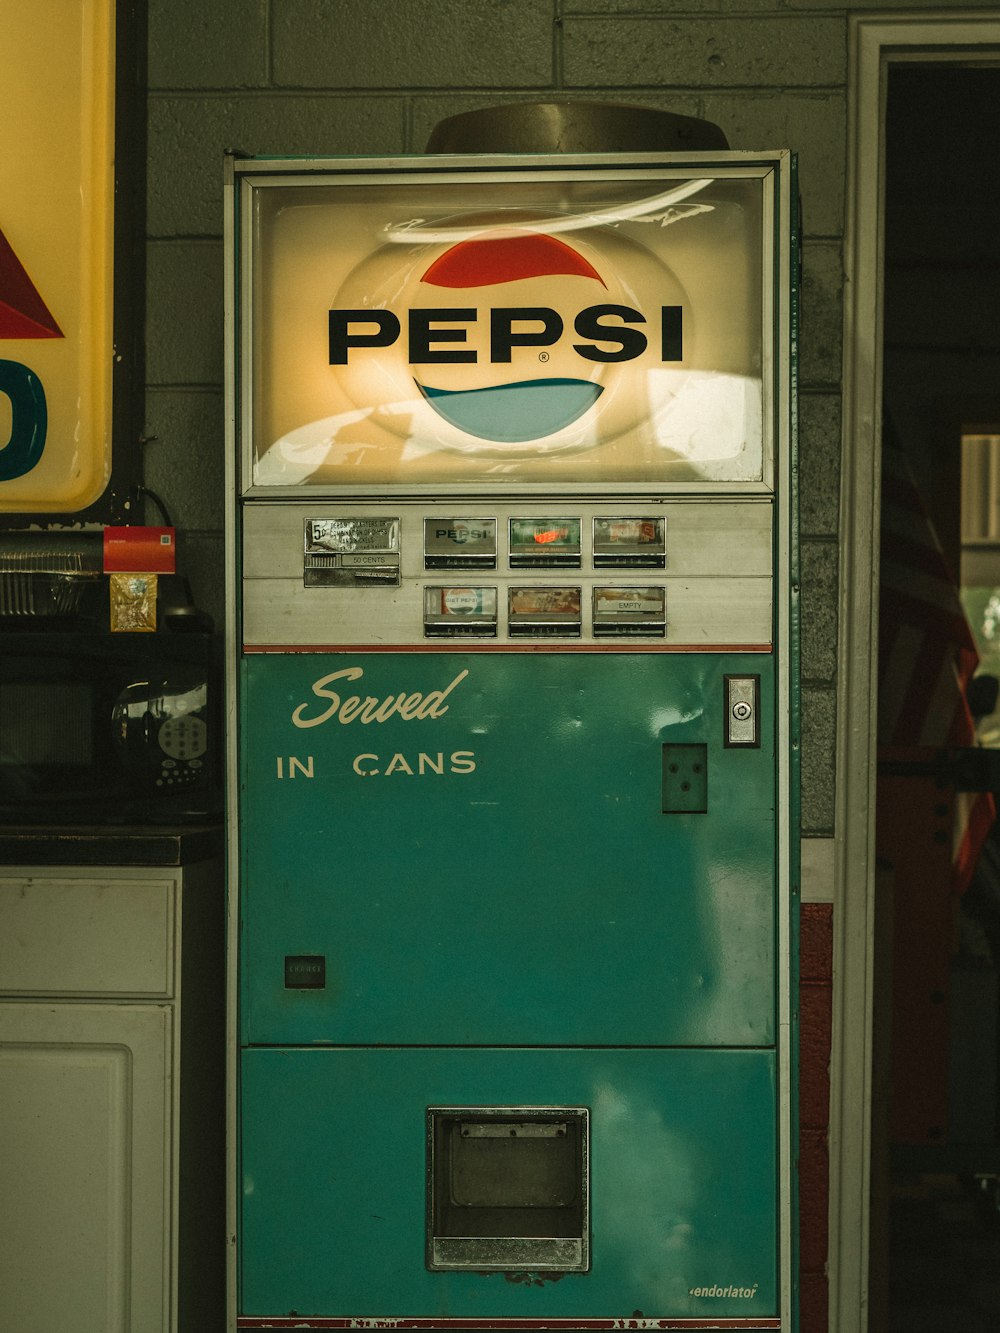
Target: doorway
{"x": 878, "y": 44}
{"x": 935, "y": 1243}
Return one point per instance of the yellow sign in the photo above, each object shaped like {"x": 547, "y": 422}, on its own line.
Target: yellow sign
{"x": 56, "y": 253}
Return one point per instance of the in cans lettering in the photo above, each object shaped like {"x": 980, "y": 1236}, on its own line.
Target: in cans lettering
{"x": 410, "y": 707}
{"x": 421, "y": 765}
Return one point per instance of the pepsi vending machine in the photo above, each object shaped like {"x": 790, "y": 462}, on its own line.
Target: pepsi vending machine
{"x": 513, "y": 763}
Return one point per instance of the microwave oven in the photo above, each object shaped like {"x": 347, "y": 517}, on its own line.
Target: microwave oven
{"x": 101, "y": 728}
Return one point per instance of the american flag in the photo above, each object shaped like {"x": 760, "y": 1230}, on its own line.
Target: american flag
{"x": 927, "y": 654}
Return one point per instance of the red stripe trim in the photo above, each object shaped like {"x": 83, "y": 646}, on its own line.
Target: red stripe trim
{"x": 626, "y": 1322}
{"x": 448, "y": 646}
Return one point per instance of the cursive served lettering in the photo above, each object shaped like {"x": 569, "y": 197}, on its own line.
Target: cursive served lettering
{"x": 356, "y": 708}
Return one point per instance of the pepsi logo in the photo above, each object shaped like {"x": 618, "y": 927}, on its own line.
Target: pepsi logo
{"x": 509, "y": 340}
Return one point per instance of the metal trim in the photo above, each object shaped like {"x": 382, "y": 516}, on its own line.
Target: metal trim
{"x": 629, "y": 647}
{"x": 233, "y": 637}
{"x": 401, "y": 1321}
{"x": 731, "y": 164}
{"x": 786, "y": 734}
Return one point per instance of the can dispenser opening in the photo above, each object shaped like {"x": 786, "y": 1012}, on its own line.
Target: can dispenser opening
{"x": 508, "y": 1188}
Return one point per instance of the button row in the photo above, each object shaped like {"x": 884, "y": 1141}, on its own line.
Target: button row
{"x": 544, "y": 612}
{"x": 366, "y": 551}
{"x": 551, "y": 542}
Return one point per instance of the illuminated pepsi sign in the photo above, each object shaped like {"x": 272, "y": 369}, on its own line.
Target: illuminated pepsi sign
{"x": 518, "y": 410}
{"x": 478, "y": 331}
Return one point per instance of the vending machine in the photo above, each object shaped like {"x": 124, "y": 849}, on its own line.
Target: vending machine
{"x": 514, "y": 739}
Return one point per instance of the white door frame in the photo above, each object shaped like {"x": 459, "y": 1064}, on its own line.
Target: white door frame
{"x": 876, "y": 42}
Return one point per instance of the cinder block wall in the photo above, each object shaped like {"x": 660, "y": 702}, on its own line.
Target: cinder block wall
{"x": 373, "y": 77}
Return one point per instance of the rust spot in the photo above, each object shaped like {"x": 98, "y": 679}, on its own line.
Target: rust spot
{"x": 533, "y": 1279}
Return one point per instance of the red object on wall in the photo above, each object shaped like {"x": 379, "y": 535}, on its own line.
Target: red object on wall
{"x": 139, "y": 550}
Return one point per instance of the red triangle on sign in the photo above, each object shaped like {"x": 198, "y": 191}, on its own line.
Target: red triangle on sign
{"x": 23, "y": 313}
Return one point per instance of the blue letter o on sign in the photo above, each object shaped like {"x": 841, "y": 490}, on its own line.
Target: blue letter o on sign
{"x": 29, "y": 419}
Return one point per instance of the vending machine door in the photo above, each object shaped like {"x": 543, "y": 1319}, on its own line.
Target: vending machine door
{"x": 507, "y": 849}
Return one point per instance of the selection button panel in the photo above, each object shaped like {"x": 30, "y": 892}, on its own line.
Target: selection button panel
{"x": 531, "y": 573}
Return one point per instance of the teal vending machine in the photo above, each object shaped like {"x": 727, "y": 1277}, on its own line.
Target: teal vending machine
{"x": 513, "y": 761}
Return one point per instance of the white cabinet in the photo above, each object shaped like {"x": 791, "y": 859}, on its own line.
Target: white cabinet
{"x": 109, "y": 1125}
{"x": 84, "y": 1167}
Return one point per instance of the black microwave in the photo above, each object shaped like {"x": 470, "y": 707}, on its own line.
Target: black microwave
{"x": 100, "y": 728}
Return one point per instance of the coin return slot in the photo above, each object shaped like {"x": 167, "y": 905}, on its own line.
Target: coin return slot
{"x": 508, "y": 1188}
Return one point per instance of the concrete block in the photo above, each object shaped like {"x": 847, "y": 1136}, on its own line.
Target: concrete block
{"x": 762, "y": 52}
{"x": 192, "y": 44}
{"x": 184, "y": 313}
{"x": 821, "y": 327}
{"x": 819, "y": 464}
{"x": 186, "y": 461}
{"x": 819, "y": 609}
{"x": 188, "y": 134}
{"x": 819, "y": 711}
{"x": 812, "y": 125}
{"x": 412, "y": 43}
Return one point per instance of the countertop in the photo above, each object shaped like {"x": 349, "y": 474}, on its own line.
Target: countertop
{"x": 111, "y": 845}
